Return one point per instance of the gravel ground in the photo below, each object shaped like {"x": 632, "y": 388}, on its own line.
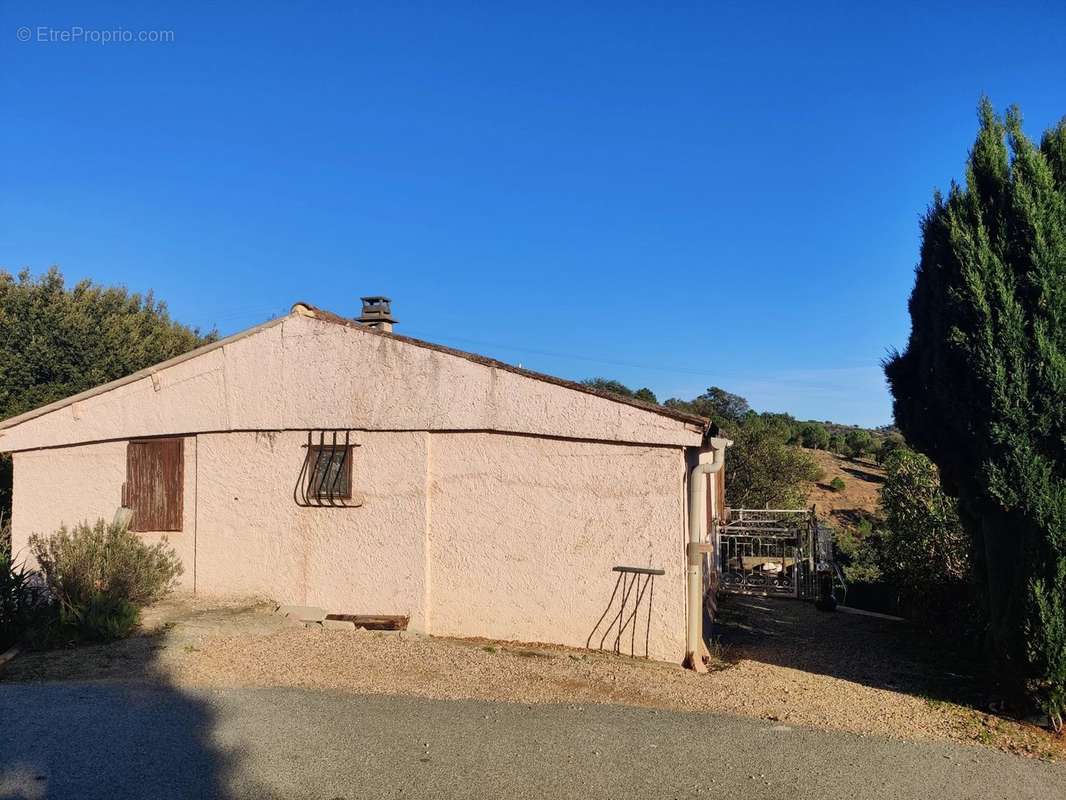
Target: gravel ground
{"x": 775, "y": 660}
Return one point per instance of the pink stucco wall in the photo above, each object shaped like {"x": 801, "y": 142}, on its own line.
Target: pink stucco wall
{"x": 469, "y": 534}
{"x": 525, "y": 532}
{"x": 253, "y": 539}
{"x": 69, "y": 485}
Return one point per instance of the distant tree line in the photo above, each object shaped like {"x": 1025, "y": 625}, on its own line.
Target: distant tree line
{"x": 763, "y": 467}
{"x": 645, "y": 395}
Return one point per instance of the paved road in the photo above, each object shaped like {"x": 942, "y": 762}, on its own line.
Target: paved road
{"x": 119, "y": 741}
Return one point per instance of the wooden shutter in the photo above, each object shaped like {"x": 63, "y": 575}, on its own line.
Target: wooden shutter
{"x": 155, "y": 479}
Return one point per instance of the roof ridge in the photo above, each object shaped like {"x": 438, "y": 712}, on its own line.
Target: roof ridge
{"x": 308, "y": 310}
{"x": 313, "y": 312}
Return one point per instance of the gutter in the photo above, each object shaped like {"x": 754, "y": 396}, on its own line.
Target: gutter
{"x": 710, "y": 462}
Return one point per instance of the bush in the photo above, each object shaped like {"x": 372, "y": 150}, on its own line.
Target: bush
{"x": 858, "y": 443}
{"x": 102, "y": 618}
{"x": 101, "y": 575}
{"x": 814, "y": 436}
{"x": 18, "y": 600}
{"x": 925, "y": 551}
{"x": 858, "y": 553}
{"x": 837, "y": 484}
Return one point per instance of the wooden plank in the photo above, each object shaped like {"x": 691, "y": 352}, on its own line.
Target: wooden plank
{"x": 155, "y": 478}
{"x": 374, "y": 622}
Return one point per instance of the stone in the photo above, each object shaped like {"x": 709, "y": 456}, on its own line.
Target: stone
{"x": 304, "y": 613}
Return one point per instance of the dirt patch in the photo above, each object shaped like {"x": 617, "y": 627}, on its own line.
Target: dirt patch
{"x": 857, "y": 500}
{"x": 775, "y": 660}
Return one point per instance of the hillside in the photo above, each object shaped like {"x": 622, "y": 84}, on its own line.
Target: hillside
{"x": 858, "y": 500}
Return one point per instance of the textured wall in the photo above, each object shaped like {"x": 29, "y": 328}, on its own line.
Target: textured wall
{"x": 524, "y": 532}
{"x": 252, "y": 538}
{"x": 68, "y": 485}
{"x": 470, "y": 534}
{"x": 305, "y": 373}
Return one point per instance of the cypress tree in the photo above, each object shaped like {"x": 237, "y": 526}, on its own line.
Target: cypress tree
{"x": 981, "y": 387}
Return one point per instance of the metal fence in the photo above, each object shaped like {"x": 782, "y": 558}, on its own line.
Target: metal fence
{"x": 770, "y": 551}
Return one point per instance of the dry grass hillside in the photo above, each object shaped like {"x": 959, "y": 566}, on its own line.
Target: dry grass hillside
{"x": 859, "y": 497}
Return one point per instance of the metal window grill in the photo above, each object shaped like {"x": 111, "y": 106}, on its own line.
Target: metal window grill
{"x": 325, "y": 479}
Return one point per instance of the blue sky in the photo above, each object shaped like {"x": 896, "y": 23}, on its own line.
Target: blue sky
{"x": 677, "y": 196}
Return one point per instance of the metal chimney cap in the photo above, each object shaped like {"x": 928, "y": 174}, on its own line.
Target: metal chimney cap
{"x": 377, "y": 312}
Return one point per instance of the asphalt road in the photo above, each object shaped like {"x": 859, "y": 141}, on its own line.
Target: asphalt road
{"x": 117, "y": 741}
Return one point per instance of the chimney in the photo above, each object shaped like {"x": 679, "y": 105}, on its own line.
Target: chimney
{"x": 377, "y": 314}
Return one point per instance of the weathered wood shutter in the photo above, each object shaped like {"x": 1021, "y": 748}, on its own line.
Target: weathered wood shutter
{"x": 155, "y": 479}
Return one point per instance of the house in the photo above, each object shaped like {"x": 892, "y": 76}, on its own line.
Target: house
{"x": 326, "y": 461}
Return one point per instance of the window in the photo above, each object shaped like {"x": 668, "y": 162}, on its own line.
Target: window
{"x": 155, "y": 482}
{"x": 331, "y": 472}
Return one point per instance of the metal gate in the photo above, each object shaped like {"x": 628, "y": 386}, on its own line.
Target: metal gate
{"x": 770, "y": 552}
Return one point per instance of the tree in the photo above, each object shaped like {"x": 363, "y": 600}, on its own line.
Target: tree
{"x": 814, "y": 436}
{"x": 645, "y": 395}
{"x": 858, "y": 443}
{"x": 889, "y": 445}
{"x": 608, "y": 385}
{"x": 924, "y": 550}
{"x": 724, "y": 406}
{"x": 981, "y": 386}
{"x": 762, "y": 467}
{"x": 617, "y": 387}
{"x": 836, "y": 443}
{"x": 55, "y": 342}
{"x": 763, "y": 470}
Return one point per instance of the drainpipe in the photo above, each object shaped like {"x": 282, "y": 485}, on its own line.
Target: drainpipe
{"x": 710, "y": 462}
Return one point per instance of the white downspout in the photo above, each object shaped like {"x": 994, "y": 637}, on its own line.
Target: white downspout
{"x": 709, "y": 463}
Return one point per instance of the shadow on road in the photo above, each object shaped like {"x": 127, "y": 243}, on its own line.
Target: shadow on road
{"x": 110, "y": 739}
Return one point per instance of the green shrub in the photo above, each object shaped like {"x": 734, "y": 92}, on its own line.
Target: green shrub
{"x": 858, "y": 443}
{"x": 18, "y": 600}
{"x": 814, "y": 436}
{"x": 100, "y": 576}
{"x": 102, "y": 618}
{"x": 5, "y": 533}
{"x": 837, "y": 484}
{"x": 858, "y": 553}
{"x": 926, "y": 553}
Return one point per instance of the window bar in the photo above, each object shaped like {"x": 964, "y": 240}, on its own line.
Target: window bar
{"x": 299, "y": 491}
{"x": 324, "y": 477}
{"x": 340, "y": 475}
{"x": 329, "y": 475}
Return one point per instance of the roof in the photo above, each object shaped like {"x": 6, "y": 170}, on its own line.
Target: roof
{"x": 308, "y": 310}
